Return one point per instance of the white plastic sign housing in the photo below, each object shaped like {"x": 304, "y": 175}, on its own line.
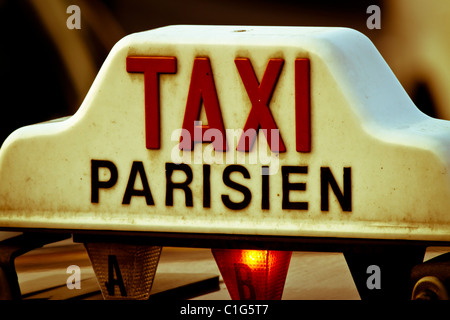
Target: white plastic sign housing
{"x": 279, "y": 131}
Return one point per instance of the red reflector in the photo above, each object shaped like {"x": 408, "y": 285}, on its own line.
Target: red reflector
{"x": 253, "y": 274}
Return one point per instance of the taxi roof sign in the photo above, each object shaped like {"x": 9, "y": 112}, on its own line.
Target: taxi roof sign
{"x": 282, "y": 131}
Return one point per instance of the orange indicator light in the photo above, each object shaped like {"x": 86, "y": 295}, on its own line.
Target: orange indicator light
{"x": 253, "y": 274}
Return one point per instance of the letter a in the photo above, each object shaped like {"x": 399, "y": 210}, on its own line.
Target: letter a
{"x": 74, "y": 21}
{"x": 113, "y": 267}
{"x": 74, "y": 280}
{"x": 374, "y": 21}
{"x": 203, "y": 90}
{"x": 374, "y": 281}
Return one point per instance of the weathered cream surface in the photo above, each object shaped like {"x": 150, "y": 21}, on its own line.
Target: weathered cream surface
{"x": 361, "y": 118}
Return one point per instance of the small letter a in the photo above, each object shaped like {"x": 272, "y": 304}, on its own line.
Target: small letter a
{"x": 74, "y": 280}
{"x": 73, "y": 21}
{"x": 373, "y": 281}
{"x": 374, "y": 21}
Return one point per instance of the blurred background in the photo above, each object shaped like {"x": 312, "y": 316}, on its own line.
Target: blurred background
{"x": 46, "y": 68}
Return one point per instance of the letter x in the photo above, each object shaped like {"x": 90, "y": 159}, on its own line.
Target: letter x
{"x": 260, "y": 95}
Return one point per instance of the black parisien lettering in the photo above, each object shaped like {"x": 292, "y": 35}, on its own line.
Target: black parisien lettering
{"x": 236, "y": 186}
{"x": 289, "y": 186}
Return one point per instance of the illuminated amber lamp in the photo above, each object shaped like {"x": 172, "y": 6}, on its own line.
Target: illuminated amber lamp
{"x": 253, "y": 274}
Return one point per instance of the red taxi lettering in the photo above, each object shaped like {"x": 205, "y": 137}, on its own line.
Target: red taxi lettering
{"x": 203, "y": 89}
{"x": 302, "y": 106}
{"x": 152, "y": 67}
{"x": 259, "y": 95}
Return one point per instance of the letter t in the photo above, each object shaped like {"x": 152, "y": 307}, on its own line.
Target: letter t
{"x": 152, "y": 67}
